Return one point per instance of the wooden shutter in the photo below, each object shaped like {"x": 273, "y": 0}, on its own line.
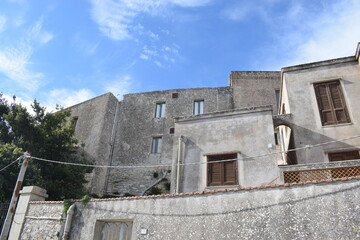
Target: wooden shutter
{"x": 230, "y": 173}
{"x": 342, "y": 156}
{"x": 222, "y": 173}
{"x": 214, "y": 174}
{"x": 331, "y": 103}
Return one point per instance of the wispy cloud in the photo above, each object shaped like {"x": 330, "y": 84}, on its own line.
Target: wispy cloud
{"x": 66, "y": 97}
{"x": 84, "y": 45}
{"x": 122, "y": 85}
{"x": 115, "y": 18}
{"x": 15, "y": 57}
{"x": 303, "y": 31}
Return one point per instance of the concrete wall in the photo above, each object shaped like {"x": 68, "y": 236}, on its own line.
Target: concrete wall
{"x": 236, "y": 131}
{"x": 306, "y": 122}
{"x": 137, "y": 126}
{"x": 255, "y": 88}
{"x": 94, "y": 128}
{"x": 327, "y": 210}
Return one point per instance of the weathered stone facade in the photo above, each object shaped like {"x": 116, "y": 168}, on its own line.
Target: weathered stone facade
{"x": 121, "y": 133}
{"x": 325, "y": 210}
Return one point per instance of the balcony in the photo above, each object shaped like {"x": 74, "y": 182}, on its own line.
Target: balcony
{"x": 320, "y": 171}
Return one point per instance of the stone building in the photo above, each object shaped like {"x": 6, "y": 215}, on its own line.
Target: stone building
{"x": 206, "y": 138}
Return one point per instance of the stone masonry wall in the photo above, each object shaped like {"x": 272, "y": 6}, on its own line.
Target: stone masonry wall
{"x": 323, "y": 210}
{"x": 137, "y": 125}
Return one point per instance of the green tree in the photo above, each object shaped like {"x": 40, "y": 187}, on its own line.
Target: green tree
{"x": 43, "y": 135}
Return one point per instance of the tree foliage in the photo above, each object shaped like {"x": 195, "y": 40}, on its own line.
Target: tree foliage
{"x": 43, "y": 135}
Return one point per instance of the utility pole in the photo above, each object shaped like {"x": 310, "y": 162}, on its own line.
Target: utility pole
{"x": 10, "y": 214}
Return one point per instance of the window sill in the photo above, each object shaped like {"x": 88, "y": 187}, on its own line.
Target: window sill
{"x": 338, "y": 125}
{"x": 222, "y": 187}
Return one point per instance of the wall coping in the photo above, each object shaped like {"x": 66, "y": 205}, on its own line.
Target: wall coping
{"x": 226, "y": 113}
{"x": 208, "y": 192}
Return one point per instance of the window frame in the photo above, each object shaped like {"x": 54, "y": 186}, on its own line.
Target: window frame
{"x": 156, "y": 145}
{"x": 330, "y": 89}
{"x": 160, "y": 110}
{"x": 332, "y": 155}
{"x": 198, "y": 107}
{"x": 222, "y": 169}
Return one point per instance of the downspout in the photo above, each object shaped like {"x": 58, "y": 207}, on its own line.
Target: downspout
{"x": 178, "y": 166}
{"x": 156, "y": 182}
{"x": 69, "y": 217}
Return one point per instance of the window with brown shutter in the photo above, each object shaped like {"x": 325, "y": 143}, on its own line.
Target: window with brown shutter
{"x": 222, "y": 173}
{"x": 331, "y": 103}
{"x": 342, "y": 156}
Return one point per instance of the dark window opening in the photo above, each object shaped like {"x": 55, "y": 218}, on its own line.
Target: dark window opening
{"x": 222, "y": 173}
{"x": 175, "y": 95}
{"x": 172, "y": 130}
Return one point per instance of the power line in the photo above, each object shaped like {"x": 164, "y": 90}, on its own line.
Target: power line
{"x": 18, "y": 159}
{"x": 197, "y": 163}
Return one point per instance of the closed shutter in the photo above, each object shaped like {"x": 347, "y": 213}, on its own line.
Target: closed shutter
{"x": 214, "y": 174}
{"x": 342, "y": 156}
{"x": 331, "y": 103}
{"x": 230, "y": 173}
{"x": 222, "y": 173}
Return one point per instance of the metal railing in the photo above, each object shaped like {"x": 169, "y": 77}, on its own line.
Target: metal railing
{"x": 320, "y": 174}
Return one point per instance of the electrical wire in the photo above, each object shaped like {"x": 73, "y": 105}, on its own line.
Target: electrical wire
{"x": 197, "y": 163}
{"x": 18, "y": 159}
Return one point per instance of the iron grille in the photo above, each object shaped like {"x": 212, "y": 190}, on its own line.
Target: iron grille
{"x": 320, "y": 174}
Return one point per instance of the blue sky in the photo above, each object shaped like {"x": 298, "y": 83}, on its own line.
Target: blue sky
{"x": 64, "y": 52}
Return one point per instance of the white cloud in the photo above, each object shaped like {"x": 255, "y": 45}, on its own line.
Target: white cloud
{"x": 115, "y": 17}
{"x": 66, "y": 97}
{"x": 333, "y": 34}
{"x": 305, "y": 32}
{"x": 144, "y": 56}
{"x": 23, "y": 102}
{"x": 15, "y": 58}
{"x": 14, "y": 62}
{"x": 122, "y": 85}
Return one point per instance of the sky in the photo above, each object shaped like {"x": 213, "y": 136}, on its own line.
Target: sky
{"x": 65, "y": 52}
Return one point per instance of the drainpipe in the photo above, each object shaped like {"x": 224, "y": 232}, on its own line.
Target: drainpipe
{"x": 69, "y": 217}
{"x": 178, "y": 165}
{"x": 156, "y": 182}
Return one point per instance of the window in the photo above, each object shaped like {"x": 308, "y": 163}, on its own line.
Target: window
{"x": 172, "y": 130}
{"x": 331, "y": 103}
{"x": 75, "y": 120}
{"x": 277, "y": 96}
{"x": 156, "y": 145}
{"x": 342, "y": 156}
{"x": 160, "y": 110}
{"x": 222, "y": 173}
{"x": 175, "y": 95}
{"x": 198, "y": 107}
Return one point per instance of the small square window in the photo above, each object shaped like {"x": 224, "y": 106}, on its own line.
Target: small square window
{"x": 160, "y": 110}
{"x": 156, "y": 145}
{"x": 222, "y": 173}
{"x": 198, "y": 107}
{"x": 175, "y": 95}
{"x": 172, "y": 130}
